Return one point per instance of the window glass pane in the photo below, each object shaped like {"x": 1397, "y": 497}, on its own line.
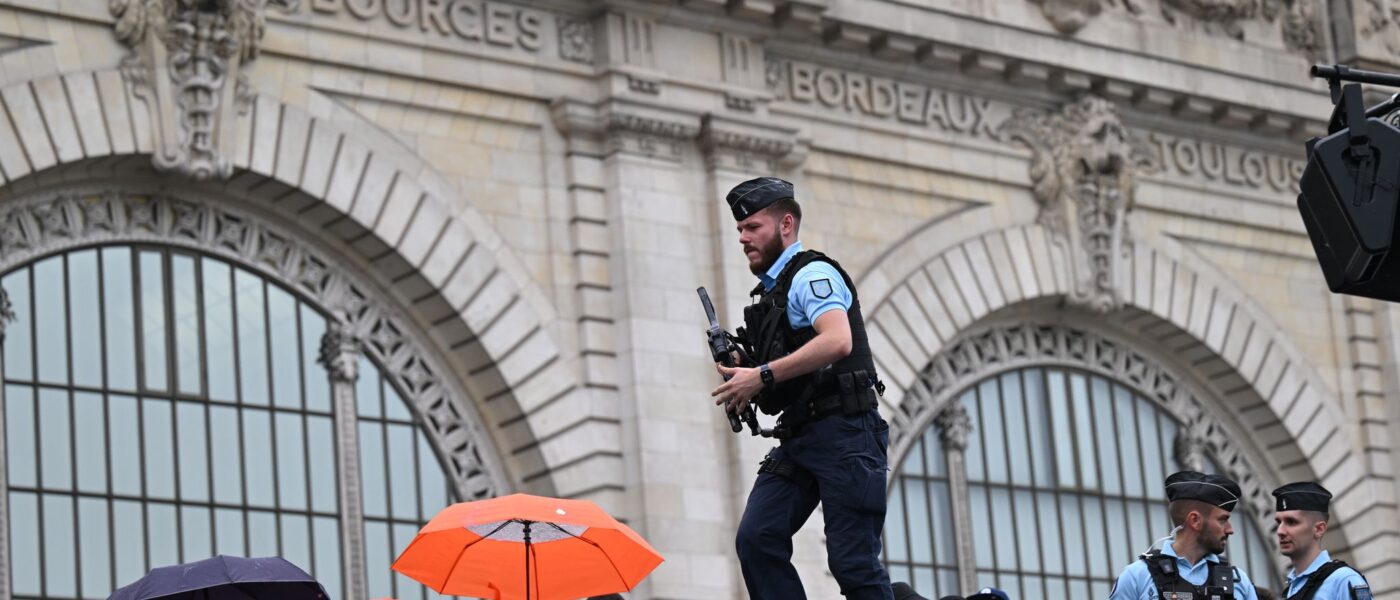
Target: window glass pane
{"x": 286, "y": 370}
{"x": 1050, "y": 549}
{"x": 1038, "y": 425}
{"x": 193, "y": 455}
{"x": 1004, "y": 529}
{"x": 226, "y": 451}
{"x": 185, "y": 297}
{"x": 24, "y": 543}
{"x": 317, "y": 382}
{"x": 896, "y": 542}
{"x": 162, "y": 541}
{"x": 19, "y": 351}
{"x": 1065, "y": 467}
{"x": 367, "y": 389}
{"x": 257, "y": 457}
{"x": 291, "y": 462}
{"x": 1094, "y": 530}
{"x": 1128, "y": 442}
{"x": 20, "y": 445}
{"x": 1026, "y": 542}
{"x": 119, "y": 317}
{"x": 981, "y": 526}
{"x": 407, "y": 589}
{"x": 920, "y": 531}
{"x": 1151, "y": 444}
{"x": 55, "y": 441}
{"x": 327, "y": 567}
{"x": 942, "y": 521}
{"x": 129, "y": 540}
{"x": 1016, "y": 436}
{"x": 372, "y": 465}
{"x": 262, "y": 533}
{"x": 972, "y": 457}
{"x": 993, "y": 433}
{"x": 86, "y": 310}
{"x": 60, "y": 552}
{"x": 1073, "y": 528}
{"x": 124, "y": 423}
{"x": 153, "y": 319}
{"x": 90, "y": 434}
{"x": 217, "y": 279}
{"x": 196, "y": 530}
{"x": 229, "y": 532}
{"x": 1106, "y": 436}
{"x": 377, "y": 559}
{"x": 395, "y": 407}
{"x": 321, "y": 442}
{"x": 252, "y": 337}
{"x": 94, "y": 550}
{"x": 50, "y": 310}
{"x": 296, "y": 540}
{"x": 433, "y": 495}
{"x": 403, "y": 486}
{"x": 1084, "y": 432}
{"x": 159, "y": 435}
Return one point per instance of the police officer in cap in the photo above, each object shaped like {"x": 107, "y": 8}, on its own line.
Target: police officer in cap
{"x": 1190, "y": 566}
{"x": 1301, "y": 518}
{"x": 816, "y": 371}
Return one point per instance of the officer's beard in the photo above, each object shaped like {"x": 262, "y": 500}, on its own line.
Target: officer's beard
{"x": 1215, "y": 545}
{"x": 767, "y": 255}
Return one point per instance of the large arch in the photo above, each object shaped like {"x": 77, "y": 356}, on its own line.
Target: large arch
{"x": 387, "y": 213}
{"x": 954, "y": 272}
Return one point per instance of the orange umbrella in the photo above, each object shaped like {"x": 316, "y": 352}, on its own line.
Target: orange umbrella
{"x": 523, "y": 546}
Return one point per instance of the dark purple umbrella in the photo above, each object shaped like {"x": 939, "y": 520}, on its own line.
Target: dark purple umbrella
{"x": 225, "y": 578}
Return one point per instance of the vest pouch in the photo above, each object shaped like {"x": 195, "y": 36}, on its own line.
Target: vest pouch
{"x": 854, "y": 391}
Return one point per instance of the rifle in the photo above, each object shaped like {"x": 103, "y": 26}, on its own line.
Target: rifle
{"x": 723, "y": 346}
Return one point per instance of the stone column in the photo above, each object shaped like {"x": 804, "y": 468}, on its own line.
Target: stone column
{"x": 954, "y": 425}
{"x": 340, "y": 355}
{"x": 7, "y": 315}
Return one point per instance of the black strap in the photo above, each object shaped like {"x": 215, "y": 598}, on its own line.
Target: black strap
{"x": 1169, "y": 581}
{"x": 1316, "y": 579}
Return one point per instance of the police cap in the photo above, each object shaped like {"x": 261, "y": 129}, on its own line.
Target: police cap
{"x": 754, "y": 195}
{"x": 987, "y": 593}
{"x": 1304, "y": 495}
{"x": 1211, "y": 489}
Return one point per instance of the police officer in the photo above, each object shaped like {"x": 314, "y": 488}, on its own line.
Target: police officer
{"x": 1190, "y": 566}
{"x": 1300, "y": 512}
{"x": 816, "y": 371}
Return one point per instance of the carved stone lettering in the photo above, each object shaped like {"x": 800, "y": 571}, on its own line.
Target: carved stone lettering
{"x": 1227, "y": 164}
{"x": 860, "y": 94}
{"x": 497, "y": 24}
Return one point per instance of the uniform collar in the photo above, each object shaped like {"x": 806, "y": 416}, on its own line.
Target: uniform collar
{"x": 1322, "y": 559}
{"x": 770, "y": 278}
{"x": 1168, "y": 550}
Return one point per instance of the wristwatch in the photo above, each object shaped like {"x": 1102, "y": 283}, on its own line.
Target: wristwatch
{"x": 766, "y": 374}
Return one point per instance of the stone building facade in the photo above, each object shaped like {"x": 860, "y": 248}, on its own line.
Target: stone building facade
{"x": 497, "y": 213}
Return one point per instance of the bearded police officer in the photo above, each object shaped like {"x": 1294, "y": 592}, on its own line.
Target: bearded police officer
{"x": 1301, "y": 517}
{"x": 815, "y": 368}
{"x": 1190, "y": 566}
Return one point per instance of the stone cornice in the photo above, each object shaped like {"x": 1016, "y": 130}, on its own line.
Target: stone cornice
{"x": 746, "y": 145}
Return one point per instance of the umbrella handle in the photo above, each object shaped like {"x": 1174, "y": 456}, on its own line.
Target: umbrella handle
{"x": 527, "y": 560}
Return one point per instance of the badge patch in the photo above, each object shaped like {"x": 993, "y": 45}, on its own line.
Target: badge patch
{"x": 821, "y": 288}
{"x": 1361, "y": 592}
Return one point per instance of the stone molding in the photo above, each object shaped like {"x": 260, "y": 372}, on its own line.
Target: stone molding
{"x": 979, "y": 354}
{"x": 749, "y": 146}
{"x": 44, "y": 224}
{"x": 187, "y": 63}
{"x": 1083, "y": 172}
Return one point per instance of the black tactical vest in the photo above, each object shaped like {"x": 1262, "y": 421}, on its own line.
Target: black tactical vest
{"x": 1316, "y": 579}
{"x": 1219, "y": 585}
{"x": 849, "y": 385}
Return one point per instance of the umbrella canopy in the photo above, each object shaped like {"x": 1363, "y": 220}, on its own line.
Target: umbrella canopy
{"x": 574, "y": 550}
{"x": 225, "y": 578}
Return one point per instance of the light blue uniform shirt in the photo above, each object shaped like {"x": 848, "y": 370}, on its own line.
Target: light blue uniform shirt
{"x": 1135, "y": 583}
{"x": 1336, "y": 587}
{"x": 815, "y": 289}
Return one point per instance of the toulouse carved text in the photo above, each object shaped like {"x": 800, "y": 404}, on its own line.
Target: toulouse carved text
{"x": 1216, "y": 162}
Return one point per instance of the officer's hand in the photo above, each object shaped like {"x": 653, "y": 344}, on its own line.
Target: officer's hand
{"x": 743, "y": 384}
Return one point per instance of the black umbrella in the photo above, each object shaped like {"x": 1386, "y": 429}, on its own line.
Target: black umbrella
{"x": 225, "y": 578}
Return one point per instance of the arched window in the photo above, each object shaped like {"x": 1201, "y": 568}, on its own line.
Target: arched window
{"x": 162, "y": 406}
{"x": 1063, "y": 472}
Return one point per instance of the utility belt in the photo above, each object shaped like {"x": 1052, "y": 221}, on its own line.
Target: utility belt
{"x": 850, "y": 393}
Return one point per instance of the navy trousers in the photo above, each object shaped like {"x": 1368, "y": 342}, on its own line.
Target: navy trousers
{"x": 841, "y": 463}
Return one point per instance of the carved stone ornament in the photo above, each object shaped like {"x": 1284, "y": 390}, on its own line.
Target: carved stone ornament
{"x": 1190, "y": 449}
{"x": 1068, "y": 16}
{"x": 1084, "y": 174}
{"x": 977, "y": 355}
{"x": 30, "y": 229}
{"x": 1300, "y": 21}
{"x": 954, "y": 425}
{"x": 340, "y": 351}
{"x": 1380, "y": 19}
{"x": 748, "y": 146}
{"x": 7, "y": 312}
{"x": 575, "y": 40}
{"x": 187, "y": 64}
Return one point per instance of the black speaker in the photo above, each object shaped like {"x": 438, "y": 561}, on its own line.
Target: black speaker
{"x": 1349, "y": 192}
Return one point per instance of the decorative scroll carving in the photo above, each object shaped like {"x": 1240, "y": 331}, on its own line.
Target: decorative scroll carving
{"x": 1300, "y": 21}
{"x": 340, "y": 351}
{"x": 973, "y": 357}
{"x": 187, "y": 64}
{"x": 30, "y": 230}
{"x": 1083, "y": 173}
